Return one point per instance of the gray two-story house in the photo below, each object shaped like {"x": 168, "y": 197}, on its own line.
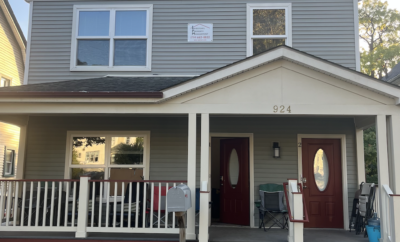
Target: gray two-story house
{"x": 123, "y": 100}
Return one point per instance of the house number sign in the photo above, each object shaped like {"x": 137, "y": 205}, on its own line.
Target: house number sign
{"x": 200, "y": 32}
{"x": 282, "y": 109}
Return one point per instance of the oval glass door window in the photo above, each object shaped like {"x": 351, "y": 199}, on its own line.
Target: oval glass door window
{"x": 321, "y": 170}
{"x": 234, "y": 168}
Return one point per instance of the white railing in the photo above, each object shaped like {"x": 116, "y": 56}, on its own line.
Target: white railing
{"x": 297, "y": 211}
{"x": 37, "y": 205}
{"x": 390, "y": 214}
{"x": 85, "y": 205}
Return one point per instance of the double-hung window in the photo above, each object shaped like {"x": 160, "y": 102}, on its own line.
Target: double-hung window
{"x": 9, "y": 161}
{"x": 111, "y": 38}
{"x": 268, "y": 25}
{"x": 108, "y": 155}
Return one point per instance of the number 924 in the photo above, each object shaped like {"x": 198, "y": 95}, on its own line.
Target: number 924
{"x": 282, "y": 109}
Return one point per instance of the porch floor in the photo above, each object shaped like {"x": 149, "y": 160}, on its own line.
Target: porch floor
{"x": 217, "y": 234}
{"x": 242, "y": 234}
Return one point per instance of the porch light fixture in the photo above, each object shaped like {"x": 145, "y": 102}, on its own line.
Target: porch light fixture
{"x": 276, "y": 150}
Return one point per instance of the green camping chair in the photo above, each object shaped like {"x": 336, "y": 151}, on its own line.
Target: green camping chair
{"x": 272, "y": 203}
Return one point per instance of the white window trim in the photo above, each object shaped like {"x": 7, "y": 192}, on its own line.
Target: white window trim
{"x": 112, "y": 8}
{"x": 107, "y": 163}
{"x": 288, "y": 24}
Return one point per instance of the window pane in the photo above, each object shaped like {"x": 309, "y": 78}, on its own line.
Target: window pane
{"x": 93, "y": 52}
{"x": 234, "y": 168}
{"x": 261, "y": 45}
{"x": 321, "y": 170}
{"x": 124, "y": 152}
{"x": 130, "y": 52}
{"x": 94, "y": 23}
{"x": 88, "y": 150}
{"x": 94, "y": 173}
{"x": 9, "y": 155}
{"x": 269, "y": 21}
{"x": 130, "y": 23}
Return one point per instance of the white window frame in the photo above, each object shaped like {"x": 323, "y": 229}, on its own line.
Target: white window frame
{"x": 112, "y": 8}
{"x": 11, "y": 162}
{"x": 288, "y": 24}
{"x": 107, "y": 163}
{"x": 3, "y": 81}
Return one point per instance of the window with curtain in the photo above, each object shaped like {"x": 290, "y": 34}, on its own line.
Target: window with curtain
{"x": 117, "y": 38}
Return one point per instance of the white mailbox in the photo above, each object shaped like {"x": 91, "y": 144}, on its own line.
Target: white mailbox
{"x": 179, "y": 199}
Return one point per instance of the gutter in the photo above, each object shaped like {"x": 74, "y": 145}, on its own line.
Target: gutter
{"x": 83, "y": 94}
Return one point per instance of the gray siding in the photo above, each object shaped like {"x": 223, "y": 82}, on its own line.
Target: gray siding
{"x": 323, "y": 28}
{"x": 168, "y": 158}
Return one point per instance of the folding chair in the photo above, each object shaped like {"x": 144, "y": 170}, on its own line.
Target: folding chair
{"x": 365, "y": 206}
{"x": 272, "y": 203}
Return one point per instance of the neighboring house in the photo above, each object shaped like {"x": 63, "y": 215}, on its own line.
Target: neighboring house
{"x": 223, "y": 96}
{"x": 12, "y": 58}
{"x": 394, "y": 75}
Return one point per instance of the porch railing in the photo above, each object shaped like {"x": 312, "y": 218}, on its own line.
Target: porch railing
{"x": 37, "y": 205}
{"x": 390, "y": 214}
{"x": 85, "y": 205}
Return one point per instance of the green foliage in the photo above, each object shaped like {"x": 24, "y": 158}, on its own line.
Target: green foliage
{"x": 380, "y": 29}
{"x": 88, "y": 141}
{"x": 371, "y": 170}
{"x": 128, "y": 153}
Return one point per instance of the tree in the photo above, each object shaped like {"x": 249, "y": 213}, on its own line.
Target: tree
{"x": 371, "y": 169}
{"x": 380, "y": 30}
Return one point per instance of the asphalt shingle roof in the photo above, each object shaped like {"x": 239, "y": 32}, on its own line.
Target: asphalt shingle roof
{"x": 103, "y": 84}
{"x": 395, "y": 72}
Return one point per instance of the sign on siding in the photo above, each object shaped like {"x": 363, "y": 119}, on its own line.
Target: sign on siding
{"x": 200, "y": 32}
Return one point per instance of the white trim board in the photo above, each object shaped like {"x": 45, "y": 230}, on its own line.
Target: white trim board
{"x": 251, "y": 165}
{"x": 28, "y": 48}
{"x": 342, "y": 138}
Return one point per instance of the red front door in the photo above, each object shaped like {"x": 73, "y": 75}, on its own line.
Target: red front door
{"x": 235, "y": 193}
{"x": 323, "y": 186}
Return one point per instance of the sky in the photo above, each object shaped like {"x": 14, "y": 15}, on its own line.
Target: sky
{"x": 21, "y": 11}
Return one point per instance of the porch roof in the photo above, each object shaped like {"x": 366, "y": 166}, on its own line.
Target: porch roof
{"x": 109, "y": 86}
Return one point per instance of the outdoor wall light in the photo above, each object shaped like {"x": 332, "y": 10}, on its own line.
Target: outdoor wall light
{"x": 276, "y": 150}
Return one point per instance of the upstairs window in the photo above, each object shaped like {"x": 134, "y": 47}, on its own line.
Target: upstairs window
{"x": 5, "y": 82}
{"x": 113, "y": 38}
{"x": 268, "y": 26}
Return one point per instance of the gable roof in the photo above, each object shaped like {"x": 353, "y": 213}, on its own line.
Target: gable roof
{"x": 12, "y": 21}
{"x": 293, "y": 55}
{"x": 393, "y": 75}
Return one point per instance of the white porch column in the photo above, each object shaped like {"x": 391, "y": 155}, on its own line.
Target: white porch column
{"x": 204, "y": 167}
{"x": 83, "y": 207}
{"x": 191, "y": 176}
{"x": 394, "y": 152}
{"x": 360, "y": 156}
{"x": 383, "y": 167}
{"x": 21, "y": 152}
